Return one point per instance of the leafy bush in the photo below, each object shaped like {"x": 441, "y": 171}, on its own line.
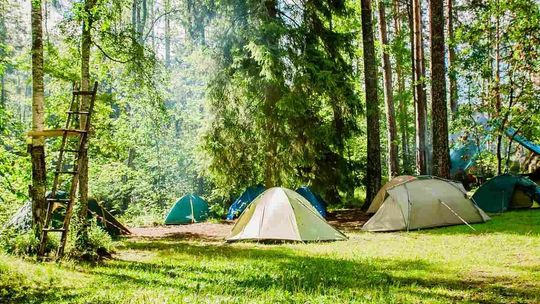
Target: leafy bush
{"x": 97, "y": 245}
{"x": 19, "y": 243}
{"x": 217, "y": 211}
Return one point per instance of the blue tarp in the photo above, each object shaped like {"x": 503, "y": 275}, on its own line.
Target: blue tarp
{"x": 523, "y": 141}
{"x": 240, "y": 204}
{"x": 464, "y": 155}
{"x": 313, "y": 198}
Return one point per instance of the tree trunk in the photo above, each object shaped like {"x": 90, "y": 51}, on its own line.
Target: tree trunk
{"x": 373, "y": 172}
{"x": 439, "y": 115}
{"x": 393, "y": 163}
{"x": 152, "y": 30}
{"x": 401, "y": 89}
{"x": 86, "y": 42}
{"x": 2, "y": 56}
{"x": 167, "y": 34}
{"x": 497, "y": 88}
{"x": 420, "y": 100}
{"x": 452, "y": 60}
{"x": 2, "y": 91}
{"x": 272, "y": 94}
{"x": 37, "y": 150}
{"x": 142, "y": 21}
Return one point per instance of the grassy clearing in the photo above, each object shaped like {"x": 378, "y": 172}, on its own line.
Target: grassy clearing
{"x": 497, "y": 263}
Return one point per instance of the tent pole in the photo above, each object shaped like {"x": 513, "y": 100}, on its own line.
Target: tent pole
{"x": 459, "y": 217}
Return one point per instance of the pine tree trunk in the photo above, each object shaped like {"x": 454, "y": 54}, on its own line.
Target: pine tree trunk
{"x": 393, "y": 162}
{"x": 272, "y": 95}
{"x": 452, "y": 59}
{"x": 497, "y": 88}
{"x": 167, "y": 34}
{"x": 2, "y": 91}
{"x": 373, "y": 172}
{"x": 401, "y": 89}
{"x": 152, "y": 30}
{"x": 439, "y": 114}
{"x": 142, "y": 21}
{"x": 420, "y": 100}
{"x": 2, "y": 56}
{"x": 86, "y": 42}
{"x": 37, "y": 149}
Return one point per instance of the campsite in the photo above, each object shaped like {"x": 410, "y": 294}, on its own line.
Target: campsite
{"x": 273, "y": 151}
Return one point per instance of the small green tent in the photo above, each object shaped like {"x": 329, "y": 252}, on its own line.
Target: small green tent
{"x": 188, "y": 209}
{"x": 500, "y": 193}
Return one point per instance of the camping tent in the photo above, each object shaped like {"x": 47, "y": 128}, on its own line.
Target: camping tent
{"x": 503, "y": 192}
{"x": 282, "y": 214}
{"x": 188, "y": 209}
{"x": 315, "y": 200}
{"x": 240, "y": 204}
{"x": 22, "y": 219}
{"x": 105, "y": 219}
{"x": 424, "y": 202}
{"x": 381, "y": 195}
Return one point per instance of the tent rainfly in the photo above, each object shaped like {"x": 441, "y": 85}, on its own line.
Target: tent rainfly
{"x": 381, "y": 195}
{"x": 505, "y": 192}
{"x": 241, "y": 203}
{"x": 315, "y": 200}
{"x": 280, "y": 214}
{"x": 424, "y": 202}
{"x": 188, "y": 209}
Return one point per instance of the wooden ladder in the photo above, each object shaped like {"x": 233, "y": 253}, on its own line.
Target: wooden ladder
{"x": 80, "y": 133}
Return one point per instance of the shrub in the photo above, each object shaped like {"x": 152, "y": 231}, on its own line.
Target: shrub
{"x": 19, "y": 243}
{"x": 98, "y": 244}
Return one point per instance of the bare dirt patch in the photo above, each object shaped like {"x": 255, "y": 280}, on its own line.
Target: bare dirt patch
{"x": 197, "y": 231}
{"x": 346, "y": 220}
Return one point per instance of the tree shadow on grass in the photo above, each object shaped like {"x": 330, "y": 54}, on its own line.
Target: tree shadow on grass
{"x": 258, "y": 270}
{"x": 15, "y": 292}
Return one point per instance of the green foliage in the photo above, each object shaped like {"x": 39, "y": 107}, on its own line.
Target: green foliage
{"x": 18, "y": 243}
{"x": 283, "y": 112}
{"x": 98, "y": 243}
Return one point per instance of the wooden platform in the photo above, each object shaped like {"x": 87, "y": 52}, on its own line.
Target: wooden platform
{"x": 55, "y": 133}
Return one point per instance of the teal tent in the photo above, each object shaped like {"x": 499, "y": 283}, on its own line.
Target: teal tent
{"x": 188, "y": 209}
{"x": 503, "y": 192}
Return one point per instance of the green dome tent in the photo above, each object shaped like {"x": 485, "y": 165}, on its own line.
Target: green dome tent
{"x": 188, "y": 209}
{"x": 505, "y": 192}
{"x": 280, "y": 214}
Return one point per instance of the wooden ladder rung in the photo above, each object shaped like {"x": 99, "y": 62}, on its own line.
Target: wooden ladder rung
{"x": 54, "y": 229}
{"x": 56, "y": 133}
{"x": 83, "y": 92}
{"x": 79, "y": 112}
{"x": 66, "y": 172}
{"x": 58, "y": 200}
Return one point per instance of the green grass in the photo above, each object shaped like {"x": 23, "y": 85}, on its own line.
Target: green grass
{"x": 497, "y": 263}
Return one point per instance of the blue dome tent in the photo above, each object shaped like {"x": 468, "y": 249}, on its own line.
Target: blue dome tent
{"x": 315, "y": 200}
{"x": 241, "y": 203}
